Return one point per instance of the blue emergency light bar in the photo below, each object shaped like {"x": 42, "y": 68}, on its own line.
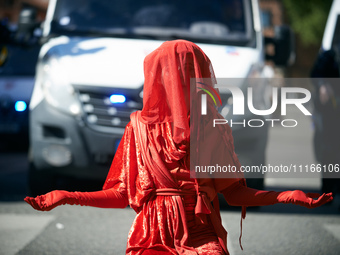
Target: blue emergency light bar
{"x": 117, "y": 99}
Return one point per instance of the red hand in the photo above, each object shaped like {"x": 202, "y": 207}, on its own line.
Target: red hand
{"x": 298, "y": 197}
{"x": 48, "y": 201}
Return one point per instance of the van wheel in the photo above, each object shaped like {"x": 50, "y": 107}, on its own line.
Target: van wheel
{"x": 39, "y": 182}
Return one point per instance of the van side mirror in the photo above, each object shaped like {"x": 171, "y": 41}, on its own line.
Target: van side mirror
{"x": 284, "y": 46}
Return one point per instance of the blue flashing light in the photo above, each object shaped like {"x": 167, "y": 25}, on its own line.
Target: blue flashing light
{"x": 117, "y": 99}
{"x": 117, "y": 144}
{"x": 20, "y": 106}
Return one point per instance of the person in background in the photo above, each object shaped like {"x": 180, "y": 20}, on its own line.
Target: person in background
{"x": 326, "y": 74}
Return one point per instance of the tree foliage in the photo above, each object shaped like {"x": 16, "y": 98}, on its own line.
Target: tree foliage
{"x": 308, "y": 18}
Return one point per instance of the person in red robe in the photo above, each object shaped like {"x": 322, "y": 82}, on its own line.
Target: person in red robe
{"x": 177, "y": 211}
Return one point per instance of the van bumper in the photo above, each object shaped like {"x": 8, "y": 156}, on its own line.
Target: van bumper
{"x": 62, "y": 144}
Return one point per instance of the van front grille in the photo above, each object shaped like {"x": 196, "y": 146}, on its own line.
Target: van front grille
{"x": 99, "y": 111}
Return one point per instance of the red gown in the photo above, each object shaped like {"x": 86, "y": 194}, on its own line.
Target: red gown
{"x": 151, "y": 167}
{"x": 170, "y": 220}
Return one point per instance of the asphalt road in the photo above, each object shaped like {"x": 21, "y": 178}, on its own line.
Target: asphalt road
{"x": 277, "y": 229}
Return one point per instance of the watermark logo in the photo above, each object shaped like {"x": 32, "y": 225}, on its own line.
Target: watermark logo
{"x": 212, "y": 93}
{"x": 300, "y": 97}
{"x": 238, "y": 100}
{"x": 248, "y": 110}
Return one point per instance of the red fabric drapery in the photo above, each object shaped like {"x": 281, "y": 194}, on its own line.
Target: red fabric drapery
{"x": 157, "y": 141}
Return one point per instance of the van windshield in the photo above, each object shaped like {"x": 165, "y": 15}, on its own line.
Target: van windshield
{"x": 219, "y": 21}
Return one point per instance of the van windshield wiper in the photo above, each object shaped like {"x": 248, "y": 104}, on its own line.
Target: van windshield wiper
{"x": 152, "y": 33}
{"x": 177, "y": 33}
{"x": 100, "y": 32}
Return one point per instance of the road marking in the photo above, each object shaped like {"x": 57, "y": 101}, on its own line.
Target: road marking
{"x": 334, "y": 229}
{"x": 18, "y": 230}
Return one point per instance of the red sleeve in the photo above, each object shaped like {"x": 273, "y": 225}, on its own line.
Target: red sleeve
{"x": 123, "y": 162}
{"x": 225, "y": 157}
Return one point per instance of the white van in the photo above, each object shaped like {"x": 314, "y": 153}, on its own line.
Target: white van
{"x": 90, "y": 74}
{"x": 331, "y": 36}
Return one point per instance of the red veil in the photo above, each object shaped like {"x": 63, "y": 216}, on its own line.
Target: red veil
{"x": 174, "y": 74}
{"x": 167, "y": 72}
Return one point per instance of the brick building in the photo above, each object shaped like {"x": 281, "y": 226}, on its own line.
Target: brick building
{"x": 10, "y": 9}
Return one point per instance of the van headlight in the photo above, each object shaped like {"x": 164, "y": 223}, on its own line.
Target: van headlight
{"x": 57, "y": 89}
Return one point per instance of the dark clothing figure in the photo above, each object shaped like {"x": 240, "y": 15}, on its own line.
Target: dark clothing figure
{"x": 325, "y": 74}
